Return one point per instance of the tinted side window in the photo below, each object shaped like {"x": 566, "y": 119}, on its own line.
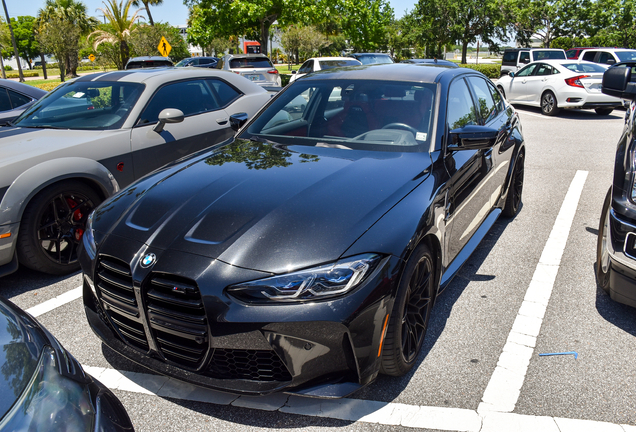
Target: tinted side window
{"x": 5, "y": 103}
{"x": 485, "y": 102}
{"x": 526, "y": 71}
{"x": 497, "y": 97}
{"x": 589, "y": 56}
{"x": 225, "y": 93}
{"x": 460, "y": 110}
{"x": 509, "y": 58}
{"x": 191, "y": 97}
{"x": 606, "y": 58}
{"x": 18, "y": 99}
{"x": 524, "y": 57}
{"x": 544, "y": 69}
{"x": 307, "y": 67}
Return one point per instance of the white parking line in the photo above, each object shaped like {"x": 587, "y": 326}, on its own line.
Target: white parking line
{"x": 56, "y": 302}
{"x": 356, "y": 410}
{"x": 505, "y": 384}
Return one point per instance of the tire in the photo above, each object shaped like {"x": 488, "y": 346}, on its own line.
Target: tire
{"x": 549, "y": 104}
{"x": 602, "y": 253}
{"x": 513, "y": 199}
{"x": 410, "y": 315}
{"x": 52, "y": 226}
{"x": 501, "y": 90}
{"x": 604, "y": 111}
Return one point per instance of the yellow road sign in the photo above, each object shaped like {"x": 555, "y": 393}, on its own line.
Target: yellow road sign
{"x": 91, "y": 57}
{"x": 164, "y": 47}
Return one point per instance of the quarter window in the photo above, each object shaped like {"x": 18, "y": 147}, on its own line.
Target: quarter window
{"x": 461, "y": 109}
{"x": 17, "y": 99}
{"x": 223, "y": 91}
{"x": 5, "y": 103}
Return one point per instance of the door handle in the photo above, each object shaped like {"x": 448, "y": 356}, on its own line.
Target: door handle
{"x": 222, "y": 120}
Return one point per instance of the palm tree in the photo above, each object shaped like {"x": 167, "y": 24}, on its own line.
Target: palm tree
{"x": 147, "y": 3}
{"x": 118, "y": 29}
{"x": 71, "y": 12}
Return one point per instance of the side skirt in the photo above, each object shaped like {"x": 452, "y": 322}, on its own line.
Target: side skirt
{"x": 468, "y": 250}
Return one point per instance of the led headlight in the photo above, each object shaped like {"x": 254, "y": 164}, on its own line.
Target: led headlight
{"x": 89, "y": 237}
{"x": 316, "y": 283}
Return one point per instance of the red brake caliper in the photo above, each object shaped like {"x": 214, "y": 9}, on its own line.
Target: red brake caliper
{"x": 77, "y": 216}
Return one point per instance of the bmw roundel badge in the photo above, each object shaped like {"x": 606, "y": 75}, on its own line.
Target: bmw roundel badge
{"x": 148, "y": 260}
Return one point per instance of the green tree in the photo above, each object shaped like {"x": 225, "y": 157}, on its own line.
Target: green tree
{"x": 24, "y": 31}
{"x": 61, "y": 38}
{"x": 118, "y": 30}
{"x": 145, "y": 40}
{"x": 365, "y": 23}
{"x": 65, "y": 13}
{"x": 147, "y": 4}
{"x": 210, "y": 19}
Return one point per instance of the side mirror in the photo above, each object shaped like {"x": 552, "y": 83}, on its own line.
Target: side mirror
{"x": 238, "y": 120}
{"x": 168, "y": 115}
{"x": 473, "y": 137}
{"x": 611, "y": 61}
{"x": 294, "y": 72}
{"x": 525, "y": 61}
{"x": 617, "y": 81}
{"x": 512, "y": 74}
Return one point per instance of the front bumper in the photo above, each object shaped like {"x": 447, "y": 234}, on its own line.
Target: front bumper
{"x": 8, "y": 258}
{"x": 622, "y": 251}
{"x": 325, "y": 349}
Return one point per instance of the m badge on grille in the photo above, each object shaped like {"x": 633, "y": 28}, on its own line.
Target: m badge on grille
{"x": 148, "y": 260}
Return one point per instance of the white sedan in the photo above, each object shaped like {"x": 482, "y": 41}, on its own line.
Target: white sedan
{"x": 321, "y": 63}
{"x": 559, "y": 84}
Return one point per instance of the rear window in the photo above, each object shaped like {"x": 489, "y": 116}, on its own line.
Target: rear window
{"x": 330, "y": 64}
{"x": 375, "y": 59}
{"x": 584, "y": 67}
{"x": 148, "y": 64}
{"x": 509, "y": 58}
{"x": 247, "y": 62}
{"x": 545, "y": 55}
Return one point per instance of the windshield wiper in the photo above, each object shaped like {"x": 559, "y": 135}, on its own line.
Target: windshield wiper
{"x": 42, "y": 127}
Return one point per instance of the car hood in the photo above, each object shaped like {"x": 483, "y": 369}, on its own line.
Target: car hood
{"x": 261, "y": 206}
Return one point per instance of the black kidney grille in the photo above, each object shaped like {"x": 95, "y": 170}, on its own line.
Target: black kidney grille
{"x": 177, "y": 317}
{"x": 255, "y": 365}
{"x": 116, "y": 293}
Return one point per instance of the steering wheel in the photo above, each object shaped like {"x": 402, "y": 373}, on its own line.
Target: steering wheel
{"x": 402, "y": 126}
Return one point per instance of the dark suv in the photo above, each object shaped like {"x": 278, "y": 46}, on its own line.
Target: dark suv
{"x": 616, "y": 245}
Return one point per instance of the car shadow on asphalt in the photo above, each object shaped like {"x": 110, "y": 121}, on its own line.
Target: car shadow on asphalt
{"x": 618, "y": 314}
{"x": 574, "y": 114}
{"x": 386, "y": 388}
{"x": 25, "y": 280}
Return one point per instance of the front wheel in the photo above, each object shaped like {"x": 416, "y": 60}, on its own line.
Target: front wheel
{"x": 604, "y": 111}
{"x": 549, "y": 104}
{"x": 513, "y": 199}
{"x": 52, "y": 226}
{"x": 410, "y": 315}
{"x": 602, "y": 246}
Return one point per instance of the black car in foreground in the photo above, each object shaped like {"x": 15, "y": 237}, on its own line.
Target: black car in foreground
{"x": 616, "y": 246}
{"x": 305, "y": 254}
{"x": 43, "y": 388}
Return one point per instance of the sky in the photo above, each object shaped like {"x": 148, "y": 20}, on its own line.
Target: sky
{"x": 171, "y": 11}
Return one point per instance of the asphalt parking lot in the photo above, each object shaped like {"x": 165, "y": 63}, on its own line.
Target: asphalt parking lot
{"x": 528, "y": 290}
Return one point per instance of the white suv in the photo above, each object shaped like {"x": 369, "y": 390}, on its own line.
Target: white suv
{"x": 608, "y": 56}
{"x": 516, "y": 58}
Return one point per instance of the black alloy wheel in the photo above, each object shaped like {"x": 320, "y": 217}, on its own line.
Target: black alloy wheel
{"x": 513, "y": 199}
{"x": 549, "y": 104}
{"x": 411, "y": 313}
{"x": 52, "y": 227}
{"x": 602, "y": 246}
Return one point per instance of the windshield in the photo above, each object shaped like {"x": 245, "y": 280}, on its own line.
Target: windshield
{"x": 330, "y": 64}
{"x": 626, "y": 55}
{"x": 375, "y": 59}
{"x": 95, "y": 105}
{"x": 584, "y": 67}
{"x": 247, "y": 62}
{"x": 349, "y": 114}
{"x": 545, "y": 55}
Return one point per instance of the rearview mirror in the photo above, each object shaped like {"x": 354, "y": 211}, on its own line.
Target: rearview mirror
{"x": 473, "y": 137}
{"x": 168, "y": 115}
{"x": 617, "y": 81}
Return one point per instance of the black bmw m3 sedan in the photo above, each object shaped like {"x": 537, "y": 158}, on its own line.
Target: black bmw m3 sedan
{"x": 305, "y": 254}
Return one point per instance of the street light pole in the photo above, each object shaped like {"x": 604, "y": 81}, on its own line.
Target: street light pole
{"x": 15, "y": 47}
